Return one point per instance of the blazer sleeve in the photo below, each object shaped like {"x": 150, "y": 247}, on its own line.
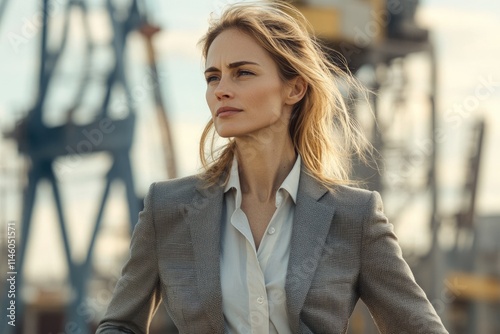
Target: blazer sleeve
{"x": 137, "y": 294}
{"x": 387, "y": 286}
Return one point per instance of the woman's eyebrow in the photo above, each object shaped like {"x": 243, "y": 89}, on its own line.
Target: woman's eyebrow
{"x": 232, "y": 65}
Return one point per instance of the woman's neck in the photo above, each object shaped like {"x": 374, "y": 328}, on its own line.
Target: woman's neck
{"x": 264, "y": 165}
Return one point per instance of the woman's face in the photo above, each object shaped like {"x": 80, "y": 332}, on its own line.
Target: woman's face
{"x": 244, "y": 91}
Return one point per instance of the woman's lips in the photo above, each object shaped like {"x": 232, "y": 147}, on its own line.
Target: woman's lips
{"x": 227, "y": 111}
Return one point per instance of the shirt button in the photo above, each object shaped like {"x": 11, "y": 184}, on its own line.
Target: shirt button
{"x": 271, "y": 230}
{"x": 260, "y": 300}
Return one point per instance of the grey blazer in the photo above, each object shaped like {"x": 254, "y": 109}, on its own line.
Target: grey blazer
{"x": 342, "y": 249}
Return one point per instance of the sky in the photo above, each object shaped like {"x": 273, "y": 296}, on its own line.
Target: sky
{"x": 468, "y": 87}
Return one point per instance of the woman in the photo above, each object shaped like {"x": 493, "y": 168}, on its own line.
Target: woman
{"x": 268, "y": 239}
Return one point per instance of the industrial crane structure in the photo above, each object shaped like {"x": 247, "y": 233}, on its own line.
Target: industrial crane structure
{"x": 109, "y": 132}
{"x": 376, "y": 40}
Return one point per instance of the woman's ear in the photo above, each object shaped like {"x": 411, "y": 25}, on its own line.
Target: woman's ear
{"x": 297, "y": 88}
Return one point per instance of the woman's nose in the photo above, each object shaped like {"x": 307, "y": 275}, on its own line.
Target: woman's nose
{"x": 223, "y": 90}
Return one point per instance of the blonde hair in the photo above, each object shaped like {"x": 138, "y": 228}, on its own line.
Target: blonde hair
{"x": 321, "y": 128}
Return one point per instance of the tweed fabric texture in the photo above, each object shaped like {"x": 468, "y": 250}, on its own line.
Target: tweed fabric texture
{"x": 342, "y": 249}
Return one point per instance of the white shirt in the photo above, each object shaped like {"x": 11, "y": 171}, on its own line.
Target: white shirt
{"x": 253, "y": 282}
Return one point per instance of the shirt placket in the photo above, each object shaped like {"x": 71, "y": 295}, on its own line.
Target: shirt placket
{"x": 257, "y": 296}
{"x": 257, "y": 301}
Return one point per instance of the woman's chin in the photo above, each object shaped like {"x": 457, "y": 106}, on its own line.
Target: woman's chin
{"x": 228, "y": 133}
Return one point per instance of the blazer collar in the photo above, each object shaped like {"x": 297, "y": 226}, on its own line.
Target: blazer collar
{"x": 204, "y": 220}
{"x": 311, "y": 224}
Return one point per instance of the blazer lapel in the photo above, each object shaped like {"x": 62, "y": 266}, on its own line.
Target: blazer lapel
{"x": 310, "y": 228}
{"x": 204, "y": 217}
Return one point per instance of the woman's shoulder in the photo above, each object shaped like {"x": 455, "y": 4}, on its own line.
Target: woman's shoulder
{"x": 354, "y": 201}
{"x": 177, "y": 188}
{"x": 351, "y": 195}
{"x": 354, "y": 204}
{"x": 181, "y": 189}
{"x": 186, "y": 181}
{"x": 338, "y": 194}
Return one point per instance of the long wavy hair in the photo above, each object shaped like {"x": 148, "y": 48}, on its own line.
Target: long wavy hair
{"x": 321, "y": 128}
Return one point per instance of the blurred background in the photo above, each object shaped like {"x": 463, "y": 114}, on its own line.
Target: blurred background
{"x": 100, "y": 98}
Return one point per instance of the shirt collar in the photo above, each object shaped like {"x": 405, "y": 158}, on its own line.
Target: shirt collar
{"x": 234, "y": 177}
{"x": 290, "y": 184}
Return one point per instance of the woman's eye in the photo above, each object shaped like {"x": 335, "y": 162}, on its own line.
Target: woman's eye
{"x": 243, "y": 72}
{"x": 211, "y": 78}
